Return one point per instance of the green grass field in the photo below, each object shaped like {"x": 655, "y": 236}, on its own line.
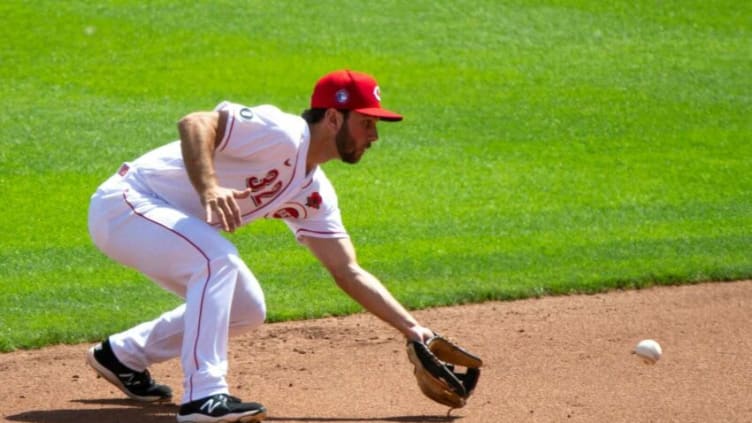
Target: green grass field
{"x": 549, "y": 147}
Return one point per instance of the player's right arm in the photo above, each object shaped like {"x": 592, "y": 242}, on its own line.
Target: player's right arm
{"x": 200, "y": 134}
{"x": 338, "y": 256}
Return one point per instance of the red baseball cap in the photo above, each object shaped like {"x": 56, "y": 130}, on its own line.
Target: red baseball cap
{"x": 350, "y": 90}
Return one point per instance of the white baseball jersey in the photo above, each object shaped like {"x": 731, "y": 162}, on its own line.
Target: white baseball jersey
{"x": 148, "y": 216}
{"x": 263, "y": 149}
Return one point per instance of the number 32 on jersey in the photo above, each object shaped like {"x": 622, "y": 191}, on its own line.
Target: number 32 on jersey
{"x": 265, "y": 187}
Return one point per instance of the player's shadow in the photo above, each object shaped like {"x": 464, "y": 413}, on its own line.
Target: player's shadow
{"x": 124, "y": 410}
{"x": 393, "y": 419}
{"x": 113, "y": 410}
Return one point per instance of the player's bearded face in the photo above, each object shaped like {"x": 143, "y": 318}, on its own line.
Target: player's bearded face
{"x": 347, "y": 146}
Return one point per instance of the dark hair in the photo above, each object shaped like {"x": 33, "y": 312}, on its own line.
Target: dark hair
{"x": 315, "y": 115}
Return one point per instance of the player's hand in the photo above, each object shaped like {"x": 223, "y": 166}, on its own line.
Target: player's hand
{"x": 419, "y": 334}
{"x": 221, "y": 205}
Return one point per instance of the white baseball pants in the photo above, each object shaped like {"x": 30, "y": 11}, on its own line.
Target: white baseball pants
{"x": 188, "y": 257}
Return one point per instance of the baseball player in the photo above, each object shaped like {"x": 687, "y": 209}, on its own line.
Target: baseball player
{"x": 163, "y": 214}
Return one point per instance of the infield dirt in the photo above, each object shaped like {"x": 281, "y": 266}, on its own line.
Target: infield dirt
{"x": 553, "y": 359}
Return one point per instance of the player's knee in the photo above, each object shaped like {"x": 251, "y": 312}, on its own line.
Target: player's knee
{"x": 249, "y": 304}
{"x": 250, "y": 319}
{"x": 253, "y": 312}
{"x": 256, "y": 316}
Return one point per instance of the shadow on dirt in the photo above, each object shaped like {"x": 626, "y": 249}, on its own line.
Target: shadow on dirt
{"x": 125, "y": 410}
{"x": 111, "y": 411}
{"x": 395, "y": 419}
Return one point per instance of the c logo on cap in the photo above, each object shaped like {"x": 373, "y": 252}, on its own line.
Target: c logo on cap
{"x": 377, "y": 93}
{"x": 342, "y": 96}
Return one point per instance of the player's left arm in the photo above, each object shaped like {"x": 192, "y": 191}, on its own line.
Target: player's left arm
{"x": 338, "y": 256}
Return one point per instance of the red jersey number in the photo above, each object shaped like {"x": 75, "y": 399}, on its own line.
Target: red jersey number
{"x": 264, "y": 188}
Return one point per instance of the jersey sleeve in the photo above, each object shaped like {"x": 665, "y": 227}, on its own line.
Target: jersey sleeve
{"x": 326, "y": 225}
{"x": 250, "y": 130}
{"x": 314, "y": 212}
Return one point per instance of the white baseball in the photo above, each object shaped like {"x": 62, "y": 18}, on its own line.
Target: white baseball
{"x": 648, "y": 350}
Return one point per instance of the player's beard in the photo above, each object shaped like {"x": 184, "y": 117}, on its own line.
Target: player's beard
{"x": 346, "y": 148}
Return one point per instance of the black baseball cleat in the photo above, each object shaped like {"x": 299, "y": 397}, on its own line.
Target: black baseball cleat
{"x": 137, "y": 385}
{"x": 221, "y": 408}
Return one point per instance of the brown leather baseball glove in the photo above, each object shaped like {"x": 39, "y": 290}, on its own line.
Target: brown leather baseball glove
{"x": 436, "y": 370}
